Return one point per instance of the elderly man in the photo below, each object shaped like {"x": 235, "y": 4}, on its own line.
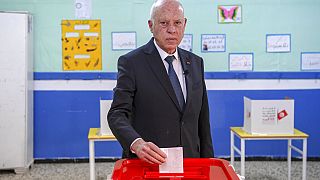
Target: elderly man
{"x": 160, "y": 99}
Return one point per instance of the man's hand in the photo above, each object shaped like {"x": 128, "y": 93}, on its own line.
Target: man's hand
{"x": 149, "y": 152}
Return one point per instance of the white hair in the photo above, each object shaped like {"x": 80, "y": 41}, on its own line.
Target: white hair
{"x": 159, "y": 3}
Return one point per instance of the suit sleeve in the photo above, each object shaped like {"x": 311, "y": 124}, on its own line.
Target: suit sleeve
{"x": 206, "y": 148}
{"x": 120, "y": 113}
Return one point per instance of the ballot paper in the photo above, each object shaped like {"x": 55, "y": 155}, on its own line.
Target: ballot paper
{"x": 174, "y": 160}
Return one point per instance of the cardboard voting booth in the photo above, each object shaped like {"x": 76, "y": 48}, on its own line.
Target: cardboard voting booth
{"x": 105, "y": 105}
{"x": 268, "y": 116}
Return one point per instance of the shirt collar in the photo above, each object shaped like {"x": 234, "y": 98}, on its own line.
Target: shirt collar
{"x": 164, "y": 54}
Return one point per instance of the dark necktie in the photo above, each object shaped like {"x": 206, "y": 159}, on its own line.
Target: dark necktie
{"x": 175, "y": 82}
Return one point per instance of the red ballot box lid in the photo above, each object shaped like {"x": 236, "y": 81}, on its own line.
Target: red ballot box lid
{"x": 194, "y": 168}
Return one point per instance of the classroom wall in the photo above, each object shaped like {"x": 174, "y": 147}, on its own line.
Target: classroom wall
{"x": 259, "y": 18}
{"x": 66, "y": 104}
{"x": 64, "y": 116}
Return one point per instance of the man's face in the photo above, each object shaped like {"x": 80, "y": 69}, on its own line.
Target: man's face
{"x": 168, "y": 27}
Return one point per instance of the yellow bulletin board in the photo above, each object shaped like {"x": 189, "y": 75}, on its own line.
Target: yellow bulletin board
{"x": 81, "y": 45}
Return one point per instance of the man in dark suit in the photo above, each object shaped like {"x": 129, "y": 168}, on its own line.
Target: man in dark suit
{"x": 160, "y": 99}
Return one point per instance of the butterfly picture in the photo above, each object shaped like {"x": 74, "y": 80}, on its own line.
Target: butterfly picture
{"x": 229, "y": 14}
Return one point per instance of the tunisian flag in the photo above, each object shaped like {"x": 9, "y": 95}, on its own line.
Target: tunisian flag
{"x": 282, "y": 114}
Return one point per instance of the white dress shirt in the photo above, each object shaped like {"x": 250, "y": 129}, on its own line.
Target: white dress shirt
{"x": 176, "y": 66}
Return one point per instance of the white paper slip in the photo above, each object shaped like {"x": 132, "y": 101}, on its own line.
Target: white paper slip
{"x": 174, "y": 160}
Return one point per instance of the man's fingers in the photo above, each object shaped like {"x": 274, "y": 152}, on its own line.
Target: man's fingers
{"x": 146, "y": 160}
{"x": 152, "y": 159}
{"x": 155, "y": 157}
{"x": 157, "y": 150}
{"x": 144, "y": 155}
{"x": 150, "y": 153}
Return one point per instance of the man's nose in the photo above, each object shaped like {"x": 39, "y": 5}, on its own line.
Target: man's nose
{"x": 171, "y": 28}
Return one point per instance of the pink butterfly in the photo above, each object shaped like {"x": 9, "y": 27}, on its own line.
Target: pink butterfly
{"x": 228, "y": 14}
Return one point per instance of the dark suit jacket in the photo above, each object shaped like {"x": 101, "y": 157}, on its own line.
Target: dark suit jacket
{"x": 144, "y": 104}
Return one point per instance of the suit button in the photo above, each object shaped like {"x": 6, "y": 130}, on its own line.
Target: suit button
{"x": 182, "y": 123}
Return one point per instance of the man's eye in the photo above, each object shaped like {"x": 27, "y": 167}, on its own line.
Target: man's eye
{"x": 178, "y": 23}
{"x": 163, "y": 23}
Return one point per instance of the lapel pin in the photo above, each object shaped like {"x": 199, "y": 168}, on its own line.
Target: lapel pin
{"x": 188, "y": 62}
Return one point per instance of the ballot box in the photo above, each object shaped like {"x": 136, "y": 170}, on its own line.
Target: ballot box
{"x": 268, "y": 116}
{"x": 194, "y": 168}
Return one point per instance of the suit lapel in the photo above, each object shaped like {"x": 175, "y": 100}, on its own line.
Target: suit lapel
{"x": 186, "y": 66}
{"x": 157, "y": 67}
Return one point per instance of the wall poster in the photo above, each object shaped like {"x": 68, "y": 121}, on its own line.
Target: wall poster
{"x": 81, "y": 45}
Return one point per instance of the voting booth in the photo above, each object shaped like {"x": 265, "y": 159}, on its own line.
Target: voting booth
{"x": 105, "y": 106}
{"x": 268, "y": 116}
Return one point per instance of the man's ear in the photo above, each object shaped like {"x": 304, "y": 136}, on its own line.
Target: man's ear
{"x": 185, "y": 22}
{"x": 150, "y": 24}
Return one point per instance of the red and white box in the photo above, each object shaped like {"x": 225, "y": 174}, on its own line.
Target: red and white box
{"x": 268, "y": 116}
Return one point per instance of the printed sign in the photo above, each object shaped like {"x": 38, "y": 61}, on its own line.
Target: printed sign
{"x": 124, "y": 40}
{"x": 186, "y": 42}
{"x": 213, "y": 43}
{"x": 310, "y": 61}
{"x": 278, "y": 43}
{"x": 241, "y": 61}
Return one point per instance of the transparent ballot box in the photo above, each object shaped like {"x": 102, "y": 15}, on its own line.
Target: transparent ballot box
{"x": 194, "y": 168}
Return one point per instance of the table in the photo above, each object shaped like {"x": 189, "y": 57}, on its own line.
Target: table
{"x": 243, "y": 136}
{"x": 94, "y": 135}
